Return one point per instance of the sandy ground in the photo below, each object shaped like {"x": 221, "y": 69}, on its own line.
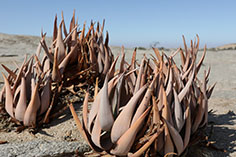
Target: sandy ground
{"x": 222, "y": 102}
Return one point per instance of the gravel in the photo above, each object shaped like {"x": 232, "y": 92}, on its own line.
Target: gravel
{"x": 40, "y": 148}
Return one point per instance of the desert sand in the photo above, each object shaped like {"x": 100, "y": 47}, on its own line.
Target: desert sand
{"x": 222, "y": 102}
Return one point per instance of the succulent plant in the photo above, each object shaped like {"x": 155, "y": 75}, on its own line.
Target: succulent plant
{"x": 154, "y": 108}
{"x": 149, "y": 110}
{"x": 26, "y": 93}
{"x": 179, "y": 104}
{"x": 76, "y": 58}
{"x": 79, "y": 56}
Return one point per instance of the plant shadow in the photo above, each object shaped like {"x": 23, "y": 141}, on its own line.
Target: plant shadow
{"x": 222, "y": 130}
{"x": 61, "y": 117}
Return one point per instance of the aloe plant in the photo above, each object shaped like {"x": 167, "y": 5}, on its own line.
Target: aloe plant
{"x": 79, "y": 56}
{"x": 73, "y": 58}
{"x": 158, "y": 117}
{"x": 26, "y": 93}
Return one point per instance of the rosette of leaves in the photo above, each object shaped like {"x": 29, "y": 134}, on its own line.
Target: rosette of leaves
{"x": 179, "y": 104}
{"x": 74, "y": 58}
{"x": 77, "y": 56}
{"x": 27, "y": 91}
{"x": 159, "y": 115}
{"x": 119, "y": 109}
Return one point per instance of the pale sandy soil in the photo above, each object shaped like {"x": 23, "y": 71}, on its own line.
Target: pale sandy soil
{"x": 222, "y": 102}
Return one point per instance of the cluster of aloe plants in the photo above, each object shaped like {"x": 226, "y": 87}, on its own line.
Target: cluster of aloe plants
{"x": 150, "y": 108}
{"x": 155, "y": 109}
{"x": 73, "y": 58}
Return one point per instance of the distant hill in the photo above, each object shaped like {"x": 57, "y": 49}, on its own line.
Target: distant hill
{"x": 29, "y": 40}
{"x": 226, "y": 47}
{"x": 19, "y": 44}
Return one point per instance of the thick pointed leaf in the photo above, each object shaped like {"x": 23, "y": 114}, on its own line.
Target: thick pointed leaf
{"x": 96, "y": 89}
{"x": 84, "y": 132}
{"x": 16, "y": 96}
{"x": 144, "y": 75}
{"x": 138, "y": 82}
{"x": 100, "y": 64}
{"x": 96, "y": 132}
{"x": 71, "y": 34}
{"x": 106, "y": 118}
{"x": 170, "y": 82}
{"x": 45, "y": 96}
{"x": 168, "y": 146}
{"x": 186, "y": 65}
{"x": 199, "y": 114}
{"x": 9, "y": 97}
{"x": 92, "y": 55}
{"x": 56, "y": 75}
{"x": 122, "y": 123}
{"x": 187, "y": 127}
{"x": 156, "y": 113}
{"x": 112, "y": 68}
{"x": 85, "y": 110}
{"x": 186, "y": 73}
{"x": 18, "y": 77}
{"x": 160, "y": 59}
{"x": 13, "y": 75}
{"x": 95, "y": 106}
{"x": 166, "y": 113}
{"x": 122, "y": 61}
{"x": 47, "y": 53}
{"x": 28, "y": 77}
{"x": 60, "y": 45}
{"x": 106, "y": 63}
{"x": 145, "y": 102}
{"x": 72, "y": 44}
{"x": 67, "y": 58}
{"x": 175, "y": 53}
{"x": 34, "y": 105}
{"x": 184, "y": 91}
{"x": 201, "y": 60}
{"x": 210, "y": 90}
{"x": 55, "y": 29}
{"x": 182, "y": 57}
{"x": 119, "y": 92}
{"x": 205, "y": 101}
{"x": 38, "y": 50}
{"x": 46, "y": 65}
{"x": 177, "y": 139}
{"x": 82, "y": 33}
{"x": 103, "y": 23}
{"x": 132, "y": 76}
{"x": 126, "y": 141}
{"x": 21, "y": 104}
{"x": 157, "y": 53}
{"x": 72, "y": 22}
{"x": 63, "y": 23}
{"x": 178, "y": 113}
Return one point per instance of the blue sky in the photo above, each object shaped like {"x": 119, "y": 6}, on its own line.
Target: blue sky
{"x": 130, "y": 23}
